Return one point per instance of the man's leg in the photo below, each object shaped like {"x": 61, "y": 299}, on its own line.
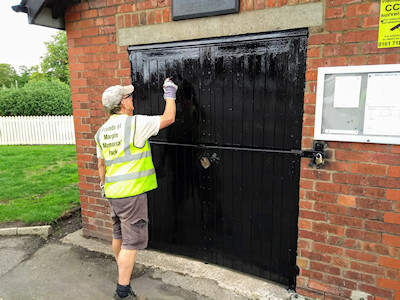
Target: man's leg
{"x": 126, "y": 262}
{"x": 138, "y": 269}
{"x": 116, "y": 246}
{"x": 132, "y": 214}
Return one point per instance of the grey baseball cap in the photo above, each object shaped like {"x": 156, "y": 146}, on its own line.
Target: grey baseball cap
{"x": 113, "y": 96}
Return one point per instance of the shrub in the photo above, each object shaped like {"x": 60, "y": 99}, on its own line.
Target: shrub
{"x": 37, "y": 98}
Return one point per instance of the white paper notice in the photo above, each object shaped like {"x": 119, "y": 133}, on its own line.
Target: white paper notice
{"x": 347, "y": 92}
{"x": 382, "y": 104}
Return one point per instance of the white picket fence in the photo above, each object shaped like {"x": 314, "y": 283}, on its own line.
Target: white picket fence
{"x": 37, "y": 130}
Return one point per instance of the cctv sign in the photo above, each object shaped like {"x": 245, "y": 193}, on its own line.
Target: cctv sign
{"x": 389, "y": 24}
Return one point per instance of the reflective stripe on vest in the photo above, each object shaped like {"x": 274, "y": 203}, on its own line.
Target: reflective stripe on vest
{"x": 136, "y": 175}
{"x": 123, "y": 159}
{"x": 129, "y": 170}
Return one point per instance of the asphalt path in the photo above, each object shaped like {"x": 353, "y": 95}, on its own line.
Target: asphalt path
{"x": 32, "y": 268}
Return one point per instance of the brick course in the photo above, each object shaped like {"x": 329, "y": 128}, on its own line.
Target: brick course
{"x": 361, "y": 173}
{"x": 349, "y": 218}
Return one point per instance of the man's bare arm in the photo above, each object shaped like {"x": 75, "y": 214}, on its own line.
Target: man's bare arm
{"x": 168, "y": 117}
{"x": 102, "y": 170}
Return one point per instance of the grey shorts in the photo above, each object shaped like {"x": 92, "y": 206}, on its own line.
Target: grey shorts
{"x": 130, "y": 221}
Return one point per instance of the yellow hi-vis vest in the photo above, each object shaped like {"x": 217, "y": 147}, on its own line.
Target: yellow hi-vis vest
{"x": 129, "y": 170}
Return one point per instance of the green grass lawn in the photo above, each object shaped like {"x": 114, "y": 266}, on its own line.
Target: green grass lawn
{"x": 37, "y": 183}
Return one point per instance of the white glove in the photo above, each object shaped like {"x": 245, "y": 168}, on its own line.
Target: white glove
{"x": 170, "y": 89}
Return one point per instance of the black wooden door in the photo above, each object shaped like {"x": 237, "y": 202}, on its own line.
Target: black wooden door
{"x": 228, "y": 176}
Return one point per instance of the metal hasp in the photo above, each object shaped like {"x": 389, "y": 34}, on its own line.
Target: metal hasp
{"x": 207, "y": 159}
{"x": 317, "y": 155}
{"x": 49, "y": 13}
{"x": 228, "y": 180}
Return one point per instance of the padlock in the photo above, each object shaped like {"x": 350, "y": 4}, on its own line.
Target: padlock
{"x": 205, "y": 162}
{"x": 318, "y": 160}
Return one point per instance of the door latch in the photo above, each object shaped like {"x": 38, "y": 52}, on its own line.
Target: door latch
{"x": 317, "y": 155}
{"x": 207, "y": 159}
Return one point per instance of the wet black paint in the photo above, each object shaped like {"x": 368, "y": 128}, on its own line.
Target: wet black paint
{"x": 240, "y": 107}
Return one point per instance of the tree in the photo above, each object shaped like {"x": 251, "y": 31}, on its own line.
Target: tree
{"x": 25, "y": 74}
{"x": 36, "y": 75}
{"x": 55, "y": 61}
{"x": 8, "y": 75}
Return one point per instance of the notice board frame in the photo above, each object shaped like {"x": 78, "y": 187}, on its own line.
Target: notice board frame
{"x": 342, "y": 123}
{"x": 190, "y": 9}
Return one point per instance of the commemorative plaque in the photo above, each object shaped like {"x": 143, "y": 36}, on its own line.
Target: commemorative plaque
{"x": 189, "y": 9}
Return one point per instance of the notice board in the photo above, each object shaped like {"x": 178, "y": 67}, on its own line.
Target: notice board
{"x": 358, "y": 104}
{"x": 389, "y": 24}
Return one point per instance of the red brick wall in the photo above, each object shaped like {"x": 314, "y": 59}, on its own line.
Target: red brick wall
{"x": 349, "y": 225}
{"x": 95, "y": 63}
